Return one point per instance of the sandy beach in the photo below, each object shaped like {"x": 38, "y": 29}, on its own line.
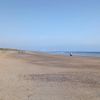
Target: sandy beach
{"x": 42, "y": 76}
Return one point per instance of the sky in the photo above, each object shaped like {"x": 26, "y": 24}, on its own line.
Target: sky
{"x": 50, "y": 24}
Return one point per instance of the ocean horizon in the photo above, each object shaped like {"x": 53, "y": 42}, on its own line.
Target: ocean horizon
{"x": 77, "y": 53}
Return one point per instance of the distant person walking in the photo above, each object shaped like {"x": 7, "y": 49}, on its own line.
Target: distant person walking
{"x": 70, "y": 54}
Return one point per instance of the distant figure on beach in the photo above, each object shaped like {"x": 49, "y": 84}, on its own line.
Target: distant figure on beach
{"x": 70, "y": 54}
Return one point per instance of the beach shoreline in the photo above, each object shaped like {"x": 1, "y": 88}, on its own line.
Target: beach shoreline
{"x": 43, "y": 76}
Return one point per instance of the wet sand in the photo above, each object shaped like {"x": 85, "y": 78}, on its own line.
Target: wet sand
{"x": 42, "y": 76}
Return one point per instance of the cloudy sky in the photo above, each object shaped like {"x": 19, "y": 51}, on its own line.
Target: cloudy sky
{"x": 50, "y": 24}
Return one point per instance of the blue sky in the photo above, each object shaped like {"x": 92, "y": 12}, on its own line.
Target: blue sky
{"x": 50, "y": 24}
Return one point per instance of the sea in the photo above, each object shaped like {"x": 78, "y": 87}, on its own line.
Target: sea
{"x": 77, "y": 53}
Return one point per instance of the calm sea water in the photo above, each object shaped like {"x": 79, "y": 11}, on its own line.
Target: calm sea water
{"x": 94, "y": 54}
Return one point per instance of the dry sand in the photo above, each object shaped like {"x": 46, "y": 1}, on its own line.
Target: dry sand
{"x": 41, "y": 76}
